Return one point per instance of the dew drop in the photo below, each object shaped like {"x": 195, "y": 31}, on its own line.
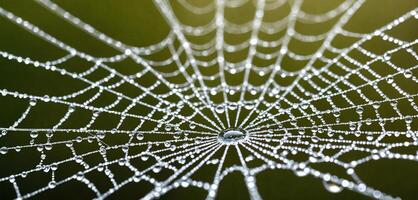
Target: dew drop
{"x": 232, "y": 136}
{"x": 32, "y": 102}
{"x": 352, "y": 126}
{"x": 301, "y": 172}
{"x": 407, "y": 74}
{"x": 315, "y": 139}
{"x": 139, "y": 136}
{"x": 144, "y": 158}
{"x": 220, "y": 109}
{"x": 101, "y": 135}
{"x": 33, "y": 134}
{"x": 3, "y": 150}
{"x": 304, "y": 106}
{"x": 52, "y": 184}
{"x": 408, "y": 119}
{"x": 192, "y": 126}
{"x": 359, "y": 110}
{"x": 46, "y": 98}
{"x": 156, "y": 169}
{"x": 332, "y": 187}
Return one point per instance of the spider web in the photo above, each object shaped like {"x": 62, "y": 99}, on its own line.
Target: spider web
{"x": 344, "y": 106}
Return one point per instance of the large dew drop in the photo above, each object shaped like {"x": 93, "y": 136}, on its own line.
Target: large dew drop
{"x": 232, "y": 136}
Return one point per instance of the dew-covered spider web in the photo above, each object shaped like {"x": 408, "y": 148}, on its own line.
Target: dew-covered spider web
{"x": 236, "y": 87}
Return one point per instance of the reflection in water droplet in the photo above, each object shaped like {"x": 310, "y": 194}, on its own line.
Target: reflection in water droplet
{"x": 232, "y": 136}
{"x": 220, "y": 109}
{"x": 3, "y": 150}
{"x": 139, "y": 136}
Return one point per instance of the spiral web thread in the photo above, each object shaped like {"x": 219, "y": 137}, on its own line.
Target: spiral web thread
{"x": 178, "y": 131}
